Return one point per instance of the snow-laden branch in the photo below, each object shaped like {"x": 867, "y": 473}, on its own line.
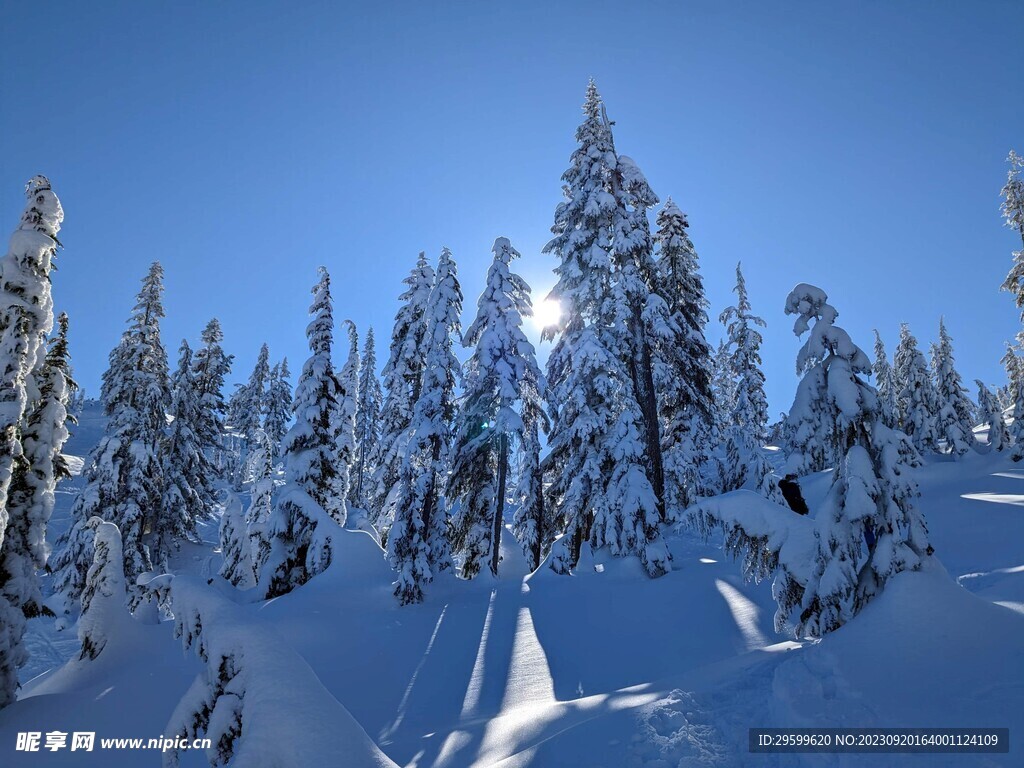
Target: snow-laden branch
{"x": 762, "y": 534}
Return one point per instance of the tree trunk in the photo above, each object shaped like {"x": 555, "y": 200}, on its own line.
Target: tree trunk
{"x": 499, "y": 503}
{"x": 641, "y": 370}
{"x": 539, "y": 543}
{"x": 430, "y": 500}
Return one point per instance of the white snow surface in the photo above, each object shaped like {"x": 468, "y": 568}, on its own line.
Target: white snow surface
{"x": 602, "y": 668}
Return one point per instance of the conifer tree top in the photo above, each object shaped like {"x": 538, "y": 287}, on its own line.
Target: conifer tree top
{"x": 43, "y": 212}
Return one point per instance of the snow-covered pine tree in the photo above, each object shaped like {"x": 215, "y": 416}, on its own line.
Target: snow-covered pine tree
{"x": 124, "y": 478}
{"x": 210, "y": 367}
{"x": 348, "y": 447}
{"x": 31, "y": 498}
{"x": 502, "y": 382}
{"x": 249, "y": 405}
{"x": 103, "y": 597}
{"x": 26, "y": 316}
{"x": 235, "y": 546}
{"x": 746, "y": 429}
{"x": 279, "y": 407}
{"x": 954, "y": 417}
{"x": 300, "y": 527}
{"x": 808, "y": 430}
{"x": 683, "y": 363}
{"x": 532, "y": 523}
{"x": 261, "y": 501}
{"x": 990, "y": 413}
{"x": 70, "y": 563}
{"x": 722, "y": 384}
{"x": 869, "y": 528}
{"x": 1015, "y": 386}
{"x": 750, "y": 406}
{"x": 313, "y": 440}
{"x": 644, "y": 321}
{"x": 419, "y": 545}
{"x": 188, "y": 493}
{"x": 1012, "y": 209}
{"x": 917, "y": 400}
{"x": 371, "y": 399}
{"x": 30, "y": 503}
{"x": 402, "y": 380}
{"x": 600, "y": 486}
{"x": 884, "y": 383}
{"x": 246, "y": 407}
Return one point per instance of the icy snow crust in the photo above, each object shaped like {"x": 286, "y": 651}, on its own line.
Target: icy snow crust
{"x": 602, "y": 668}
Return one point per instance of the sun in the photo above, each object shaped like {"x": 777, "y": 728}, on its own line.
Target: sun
{"x": 547, "y": 313}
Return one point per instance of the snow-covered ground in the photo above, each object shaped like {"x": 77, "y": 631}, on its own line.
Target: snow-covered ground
{"x": 605, "y": 668}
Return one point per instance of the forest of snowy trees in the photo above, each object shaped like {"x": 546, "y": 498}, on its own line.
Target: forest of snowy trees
{"x": 459, "y": 442}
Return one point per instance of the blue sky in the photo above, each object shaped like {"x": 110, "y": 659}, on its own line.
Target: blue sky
{"x": 858, "y": 146}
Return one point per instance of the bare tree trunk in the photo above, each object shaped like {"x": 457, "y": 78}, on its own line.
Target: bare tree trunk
{"x": 499, "y": 505}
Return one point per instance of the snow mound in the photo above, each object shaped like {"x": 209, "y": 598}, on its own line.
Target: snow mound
{"x": 265, "y": 707}
{"x": 926, "y": 652}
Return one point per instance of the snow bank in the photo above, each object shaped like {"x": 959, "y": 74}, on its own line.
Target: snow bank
{"x": 260, "y": 703}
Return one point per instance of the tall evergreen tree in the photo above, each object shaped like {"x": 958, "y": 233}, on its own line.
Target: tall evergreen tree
{"x": 31, "y": 498}
{"x": 747, "y": 427}
{"x": 750, "y": 406}
{"x": 722, "y": 384}
{"x": 955, "y": 412}
{"x": 279, "y": 408}
{"x": 533, "y": 522}
{"x": 1012, "y": 209}
{"x": 313, "y": 440}
{"x": 418, "y": 544}
{"x": 261, "y": 502}
{"x": 641, "y": 312}
{"x": 990, "y": 413}
{"x": 250, "y": 403}
{"x": 1015, "y": 376}
{"x": 502, "y": 381}
{"x": 124, "y": 480}
{"x": 371, "y": 399}
{"x": 211, "y": 366}
{"x": 683, "y": 369}
{"x": 235, "y": 546}
{"x": 348, "y": 446}
{"x": 402, "y": 380}
{"x": 188, "y": 494}
{"x": 884, "y": 383}
{"x": 917, "y": 400}
{"x": 246, "y": 407}
{"x": 600, "y": 486}
{"x": 26, "y": 316}
{"x": 312, "y": 505}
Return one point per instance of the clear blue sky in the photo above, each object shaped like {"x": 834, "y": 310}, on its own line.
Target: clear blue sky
{"x": 858, "y": 146}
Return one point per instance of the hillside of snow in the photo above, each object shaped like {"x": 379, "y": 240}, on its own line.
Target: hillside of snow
{"x": 604, "y": 668}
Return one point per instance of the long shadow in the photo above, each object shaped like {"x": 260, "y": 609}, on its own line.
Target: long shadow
{"x": 432, "y": 699}
{"x": 484, "y": 692}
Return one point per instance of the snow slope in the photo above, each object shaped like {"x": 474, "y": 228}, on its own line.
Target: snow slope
{"x": 604, "y": 668}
